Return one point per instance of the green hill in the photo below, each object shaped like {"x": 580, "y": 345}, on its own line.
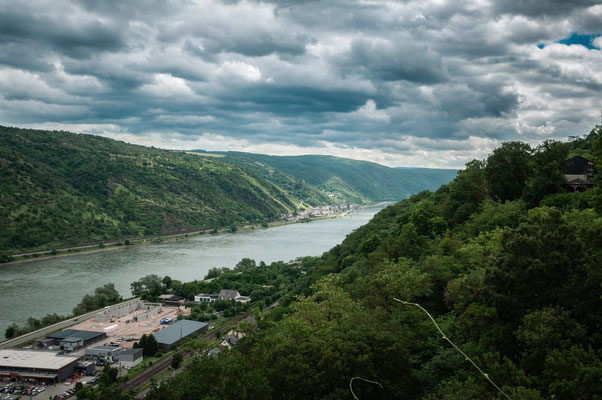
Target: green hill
{"x": 346, "y": 179}
{"x": 501, "y": 262}
{"x": 61, "y": 188}
{"x": 299, "y": 188}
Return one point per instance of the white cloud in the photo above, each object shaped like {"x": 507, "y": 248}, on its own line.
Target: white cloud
{"x": 185, "y": 119}
{"x": 166, "y": 86}
{"x": 391, "y": 82}
{"x": 238, "y": 69}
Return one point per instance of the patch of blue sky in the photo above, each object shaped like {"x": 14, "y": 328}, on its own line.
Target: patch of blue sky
{"x": 577, "y": 38}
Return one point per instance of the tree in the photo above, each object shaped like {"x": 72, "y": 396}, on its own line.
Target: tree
{"x": 245, "y": 265}
{"x": 574, "y": 373}
{"x": 548, "y": 164}
{"x": 103, "y": 296}
{"x": 148, "y": 287}
{"x": 507, "y": 171}
{"x": 151, "y": 347}
{"x": 109, "y": 376}
{"x": 12, "y": 331}
{"x": 544, "y": 330}
{"x": 176, "y": 360}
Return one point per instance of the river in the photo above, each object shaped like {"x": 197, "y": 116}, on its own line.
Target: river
{"x": 55, "y": 285}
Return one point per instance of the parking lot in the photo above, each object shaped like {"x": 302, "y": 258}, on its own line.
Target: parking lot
{"x": 14, "y": 391}
{"x": 124, "y": 332}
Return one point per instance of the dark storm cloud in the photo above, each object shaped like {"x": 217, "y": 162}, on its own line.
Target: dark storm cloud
{"x": 20, "y": 56}
{"x": 407, "y": 83}
{"x": 540, "y": 8}
{"x": 294, "y": 100}
{"x": 71, "y": 37}
{"x": 383, "y": 60}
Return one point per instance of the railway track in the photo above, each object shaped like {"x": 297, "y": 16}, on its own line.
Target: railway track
{"x": 145, "y": 375}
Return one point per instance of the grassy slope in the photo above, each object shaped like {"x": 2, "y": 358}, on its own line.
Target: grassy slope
{"x": 61, "y": 188}
{"x": 300, "y": 189}
{"x": 357, "y": 181}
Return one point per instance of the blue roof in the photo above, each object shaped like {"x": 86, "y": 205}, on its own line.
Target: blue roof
{"x": 180, "y": 329}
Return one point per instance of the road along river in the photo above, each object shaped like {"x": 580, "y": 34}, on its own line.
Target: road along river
{"x": 55, "y": 285}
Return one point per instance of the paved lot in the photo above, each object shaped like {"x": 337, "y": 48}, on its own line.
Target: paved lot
{"x": 49, "y": 329}
{"x": 131, "y": 330}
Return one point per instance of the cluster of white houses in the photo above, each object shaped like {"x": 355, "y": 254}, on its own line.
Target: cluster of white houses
{"x": 316, "y": 212}
{"x": 224, "y": 294}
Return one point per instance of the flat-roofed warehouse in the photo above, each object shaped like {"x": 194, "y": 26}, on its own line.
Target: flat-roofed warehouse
{"x": 130, "y": 358}
{"x": 174, "y": 334}
{"x": 71, "y": 339}
{"x": 109, "y": 353}
{"x": 36, "y": 364}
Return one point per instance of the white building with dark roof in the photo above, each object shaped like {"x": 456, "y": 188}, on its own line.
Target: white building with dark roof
{"x": 226, "y": 294}
{"x": 72, "y": 339}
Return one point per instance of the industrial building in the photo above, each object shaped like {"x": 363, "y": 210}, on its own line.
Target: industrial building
{"x": 172, "y": 300}
{"x": 130, "y": 358}
{"x": 41, "y": 366}
{"x": 72, "y": 339}
{"x": 107, "y": 353}
{"x": 174, "y": 334}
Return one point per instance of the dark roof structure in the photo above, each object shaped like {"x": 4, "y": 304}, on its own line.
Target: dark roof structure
{"x": 72, "y": 339}
{"x": 228, "y": 294}
{"x": 131, "y": 351}
{"x": 577, "y": 165}
{"x": 68, "y": 333}
{"x": 177, "y": 331}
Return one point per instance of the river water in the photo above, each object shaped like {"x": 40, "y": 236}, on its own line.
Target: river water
{"x": 55, "y": 285}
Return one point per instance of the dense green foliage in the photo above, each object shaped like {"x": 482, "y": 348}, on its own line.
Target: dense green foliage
{"x": 103, "y": 296}
{"x": 148, "y": 344}
{"x": 512, "y": 280}
{"x": 32, "y": 324}
{"x": 264, "y": 283}
{"x": 351, "y": 180}
{"x": 60, "y": 188}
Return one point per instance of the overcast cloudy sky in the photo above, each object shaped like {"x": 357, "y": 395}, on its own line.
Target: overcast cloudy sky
{"x": 404, "y": 83}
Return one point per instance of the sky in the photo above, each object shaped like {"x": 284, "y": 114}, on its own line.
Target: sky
{"x": 403, "y": 83}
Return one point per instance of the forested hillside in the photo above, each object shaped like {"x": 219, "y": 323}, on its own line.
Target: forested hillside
{"x": 61, "y": 188}
{"x": 351, "y": 180}
{"x": 507, "y": 264}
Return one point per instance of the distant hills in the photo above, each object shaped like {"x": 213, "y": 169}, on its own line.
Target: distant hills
{"x": 62, "y": 188}
{"x": 349, "y": 180}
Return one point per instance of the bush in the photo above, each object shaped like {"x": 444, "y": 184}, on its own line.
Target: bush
{"x": 176, "y": 360}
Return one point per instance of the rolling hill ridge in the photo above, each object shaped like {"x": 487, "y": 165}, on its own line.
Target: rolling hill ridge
{"x": 61, "y": 188}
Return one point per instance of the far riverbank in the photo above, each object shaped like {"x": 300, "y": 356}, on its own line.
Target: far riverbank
{"x": 122, "y": 243}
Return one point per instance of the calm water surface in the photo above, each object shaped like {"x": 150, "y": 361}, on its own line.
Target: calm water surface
{"x": 38, "y": 287}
